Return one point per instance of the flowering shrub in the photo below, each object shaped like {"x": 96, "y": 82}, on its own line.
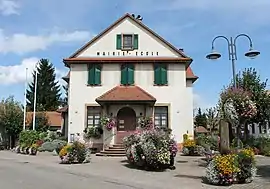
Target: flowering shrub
{"x": 190, "y": 148}
{"x": 145, "y": 122}
{"x": 151, "y": 149}
{"x": 232, "y": 168}
{"x": 238, "y": 104}
{"x": 108, "y": 123}
{"x": 74, "y": 153}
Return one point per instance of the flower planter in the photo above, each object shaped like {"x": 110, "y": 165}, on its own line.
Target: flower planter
{"x": 33, "y": 151}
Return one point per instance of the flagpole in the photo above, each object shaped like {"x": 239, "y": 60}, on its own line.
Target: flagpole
{"x": 25, "y": 90}
{"x": 35, "y": 100}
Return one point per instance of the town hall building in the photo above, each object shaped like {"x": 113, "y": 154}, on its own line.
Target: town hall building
{"x": 126, "y": 72}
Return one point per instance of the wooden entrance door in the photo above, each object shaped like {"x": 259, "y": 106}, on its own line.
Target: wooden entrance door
{"x": 126, "y": 123}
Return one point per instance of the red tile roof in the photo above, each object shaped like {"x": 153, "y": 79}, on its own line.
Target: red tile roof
{"x": 54, "y": 118}
{"x": 201, "y": 129}
{"x": 126, "y": 93}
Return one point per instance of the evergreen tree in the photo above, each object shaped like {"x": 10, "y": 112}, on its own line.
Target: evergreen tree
{"x": 48, "y": 89}
{"x": 65, "y": 99}
{"x": 201, "y": 119}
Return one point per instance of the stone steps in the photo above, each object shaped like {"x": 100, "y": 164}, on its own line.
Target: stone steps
{"x": 116, "y": 150}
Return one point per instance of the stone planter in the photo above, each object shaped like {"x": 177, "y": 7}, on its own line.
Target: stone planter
{"x": 33, "y": 151}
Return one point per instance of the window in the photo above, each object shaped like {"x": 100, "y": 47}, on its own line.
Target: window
{"x": 161, "y": 116}
{"x": 160, "y": 74}
{"x": 94, "y": 74}
{"x": 127, "y": 74}
{"x": 127, "y": 41}
{"x": 93, "y": 116}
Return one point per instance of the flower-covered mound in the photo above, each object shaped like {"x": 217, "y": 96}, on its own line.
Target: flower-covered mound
{"x": 152, "y": 149}
{"x": 75, "y": 153}
{"x": 232, "y": 168}
{"x": 190, "y": 148}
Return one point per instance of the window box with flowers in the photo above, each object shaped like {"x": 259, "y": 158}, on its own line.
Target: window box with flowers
{"x": 94, "y": 132}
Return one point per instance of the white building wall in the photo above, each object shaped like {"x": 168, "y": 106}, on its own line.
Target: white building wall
{"x": 147, "y": 43}
{"x": 176, "y": 94}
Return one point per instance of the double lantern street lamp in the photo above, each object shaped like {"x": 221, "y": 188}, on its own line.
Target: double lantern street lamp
{"x": 233, "y": 57}
{"x": 232, "y": 51}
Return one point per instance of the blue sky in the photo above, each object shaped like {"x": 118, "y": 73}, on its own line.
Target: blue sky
{"x": 31, "y": 29}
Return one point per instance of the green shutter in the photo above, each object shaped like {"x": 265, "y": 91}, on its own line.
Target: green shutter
{"x": 136, "y": 41}
{"x": 163, "y": 73}
{"x": 97, "y": 74}
{"x": 118, "y": 41}
{"x": 157, "y": 79}
{"x": 130, "y": 71}
{"x": 124, "y": 74}
{"x": 91, "y": 75}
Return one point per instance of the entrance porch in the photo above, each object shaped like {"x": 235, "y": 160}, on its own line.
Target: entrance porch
{"x": 125, "y": 104}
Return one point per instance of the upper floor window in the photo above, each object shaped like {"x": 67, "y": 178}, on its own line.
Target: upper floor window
{"x": 127, "y": 74}
{"x": 94, "y": 74}
{"x": 127, "y": 41}
{"x": 161, "y": 116}
{"x": 160, "y": 74}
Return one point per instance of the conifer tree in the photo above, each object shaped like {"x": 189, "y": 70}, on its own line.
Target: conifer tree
{"x": 48, "y": 97}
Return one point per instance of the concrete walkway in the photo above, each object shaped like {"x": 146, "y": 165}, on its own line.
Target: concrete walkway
{"x": 188, "y": 173}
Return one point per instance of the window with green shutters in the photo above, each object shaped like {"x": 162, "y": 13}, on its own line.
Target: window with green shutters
{"x": 94, "y": 74}
{"x": 127, "y": 41}
{"x": 160, "y": 74}
{"x": 127, "y": 74}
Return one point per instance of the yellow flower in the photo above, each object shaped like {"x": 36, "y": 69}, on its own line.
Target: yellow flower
{"x": 189, "y": 143}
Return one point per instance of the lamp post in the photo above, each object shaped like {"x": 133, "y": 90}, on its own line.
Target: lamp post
{"x": 233, "y": 57}
{"x": 232, "y": 51}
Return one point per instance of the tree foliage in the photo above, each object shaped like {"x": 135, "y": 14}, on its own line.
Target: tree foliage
{"x": 11, "y": 116}
{"x": 212, "y": 118}
{"x": 42, "y": 122}
{"x": 200, "y": 119}
{"x": 250, "y": 81}
{"x": 48, "y": 89}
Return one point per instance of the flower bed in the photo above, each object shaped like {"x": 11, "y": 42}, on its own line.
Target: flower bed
{"x": 191, "y": 149}
{"x": 75, "y": 153}
{"x": 151, "y": 149}
{"x": 232, "y": 168}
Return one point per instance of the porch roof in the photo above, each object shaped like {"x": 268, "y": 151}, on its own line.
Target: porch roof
{"x": 126, "y": 94}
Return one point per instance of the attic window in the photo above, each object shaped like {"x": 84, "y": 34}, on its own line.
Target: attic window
{"x": 127, "y": 41}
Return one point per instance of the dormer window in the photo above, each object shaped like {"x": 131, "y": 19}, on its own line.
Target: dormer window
{"x": 127, "y": 42}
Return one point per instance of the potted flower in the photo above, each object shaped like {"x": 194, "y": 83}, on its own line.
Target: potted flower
{"x": 33, "y": 149}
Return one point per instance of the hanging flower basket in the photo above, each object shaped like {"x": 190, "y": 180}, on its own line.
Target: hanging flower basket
{"x": 108, "y": 122}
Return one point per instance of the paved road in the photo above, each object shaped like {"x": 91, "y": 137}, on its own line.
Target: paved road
{"x": 14, "y": 175}
{"x": 44, "y": 171}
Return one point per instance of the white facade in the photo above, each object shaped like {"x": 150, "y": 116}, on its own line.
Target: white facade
{"x": 257, "y": 131}
{"x": 177, "y": 95}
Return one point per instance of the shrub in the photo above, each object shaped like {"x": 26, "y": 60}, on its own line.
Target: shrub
{"x": 53, "y": 145}
{"x": 28, "y": 137}
{"x": 151, "y": 149}
{"x": 75, "y": 153}
{"x": 93, "y": 132}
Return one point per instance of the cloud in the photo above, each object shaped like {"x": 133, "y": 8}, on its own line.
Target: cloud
{"x": 16, "y": 74}
{"x": 9, "y": 7}
{"x": 20, "y": 43}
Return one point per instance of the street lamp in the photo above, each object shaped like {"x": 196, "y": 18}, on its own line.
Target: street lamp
{"x": 233, "y": 57}
{"x": 232, "y": 51}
